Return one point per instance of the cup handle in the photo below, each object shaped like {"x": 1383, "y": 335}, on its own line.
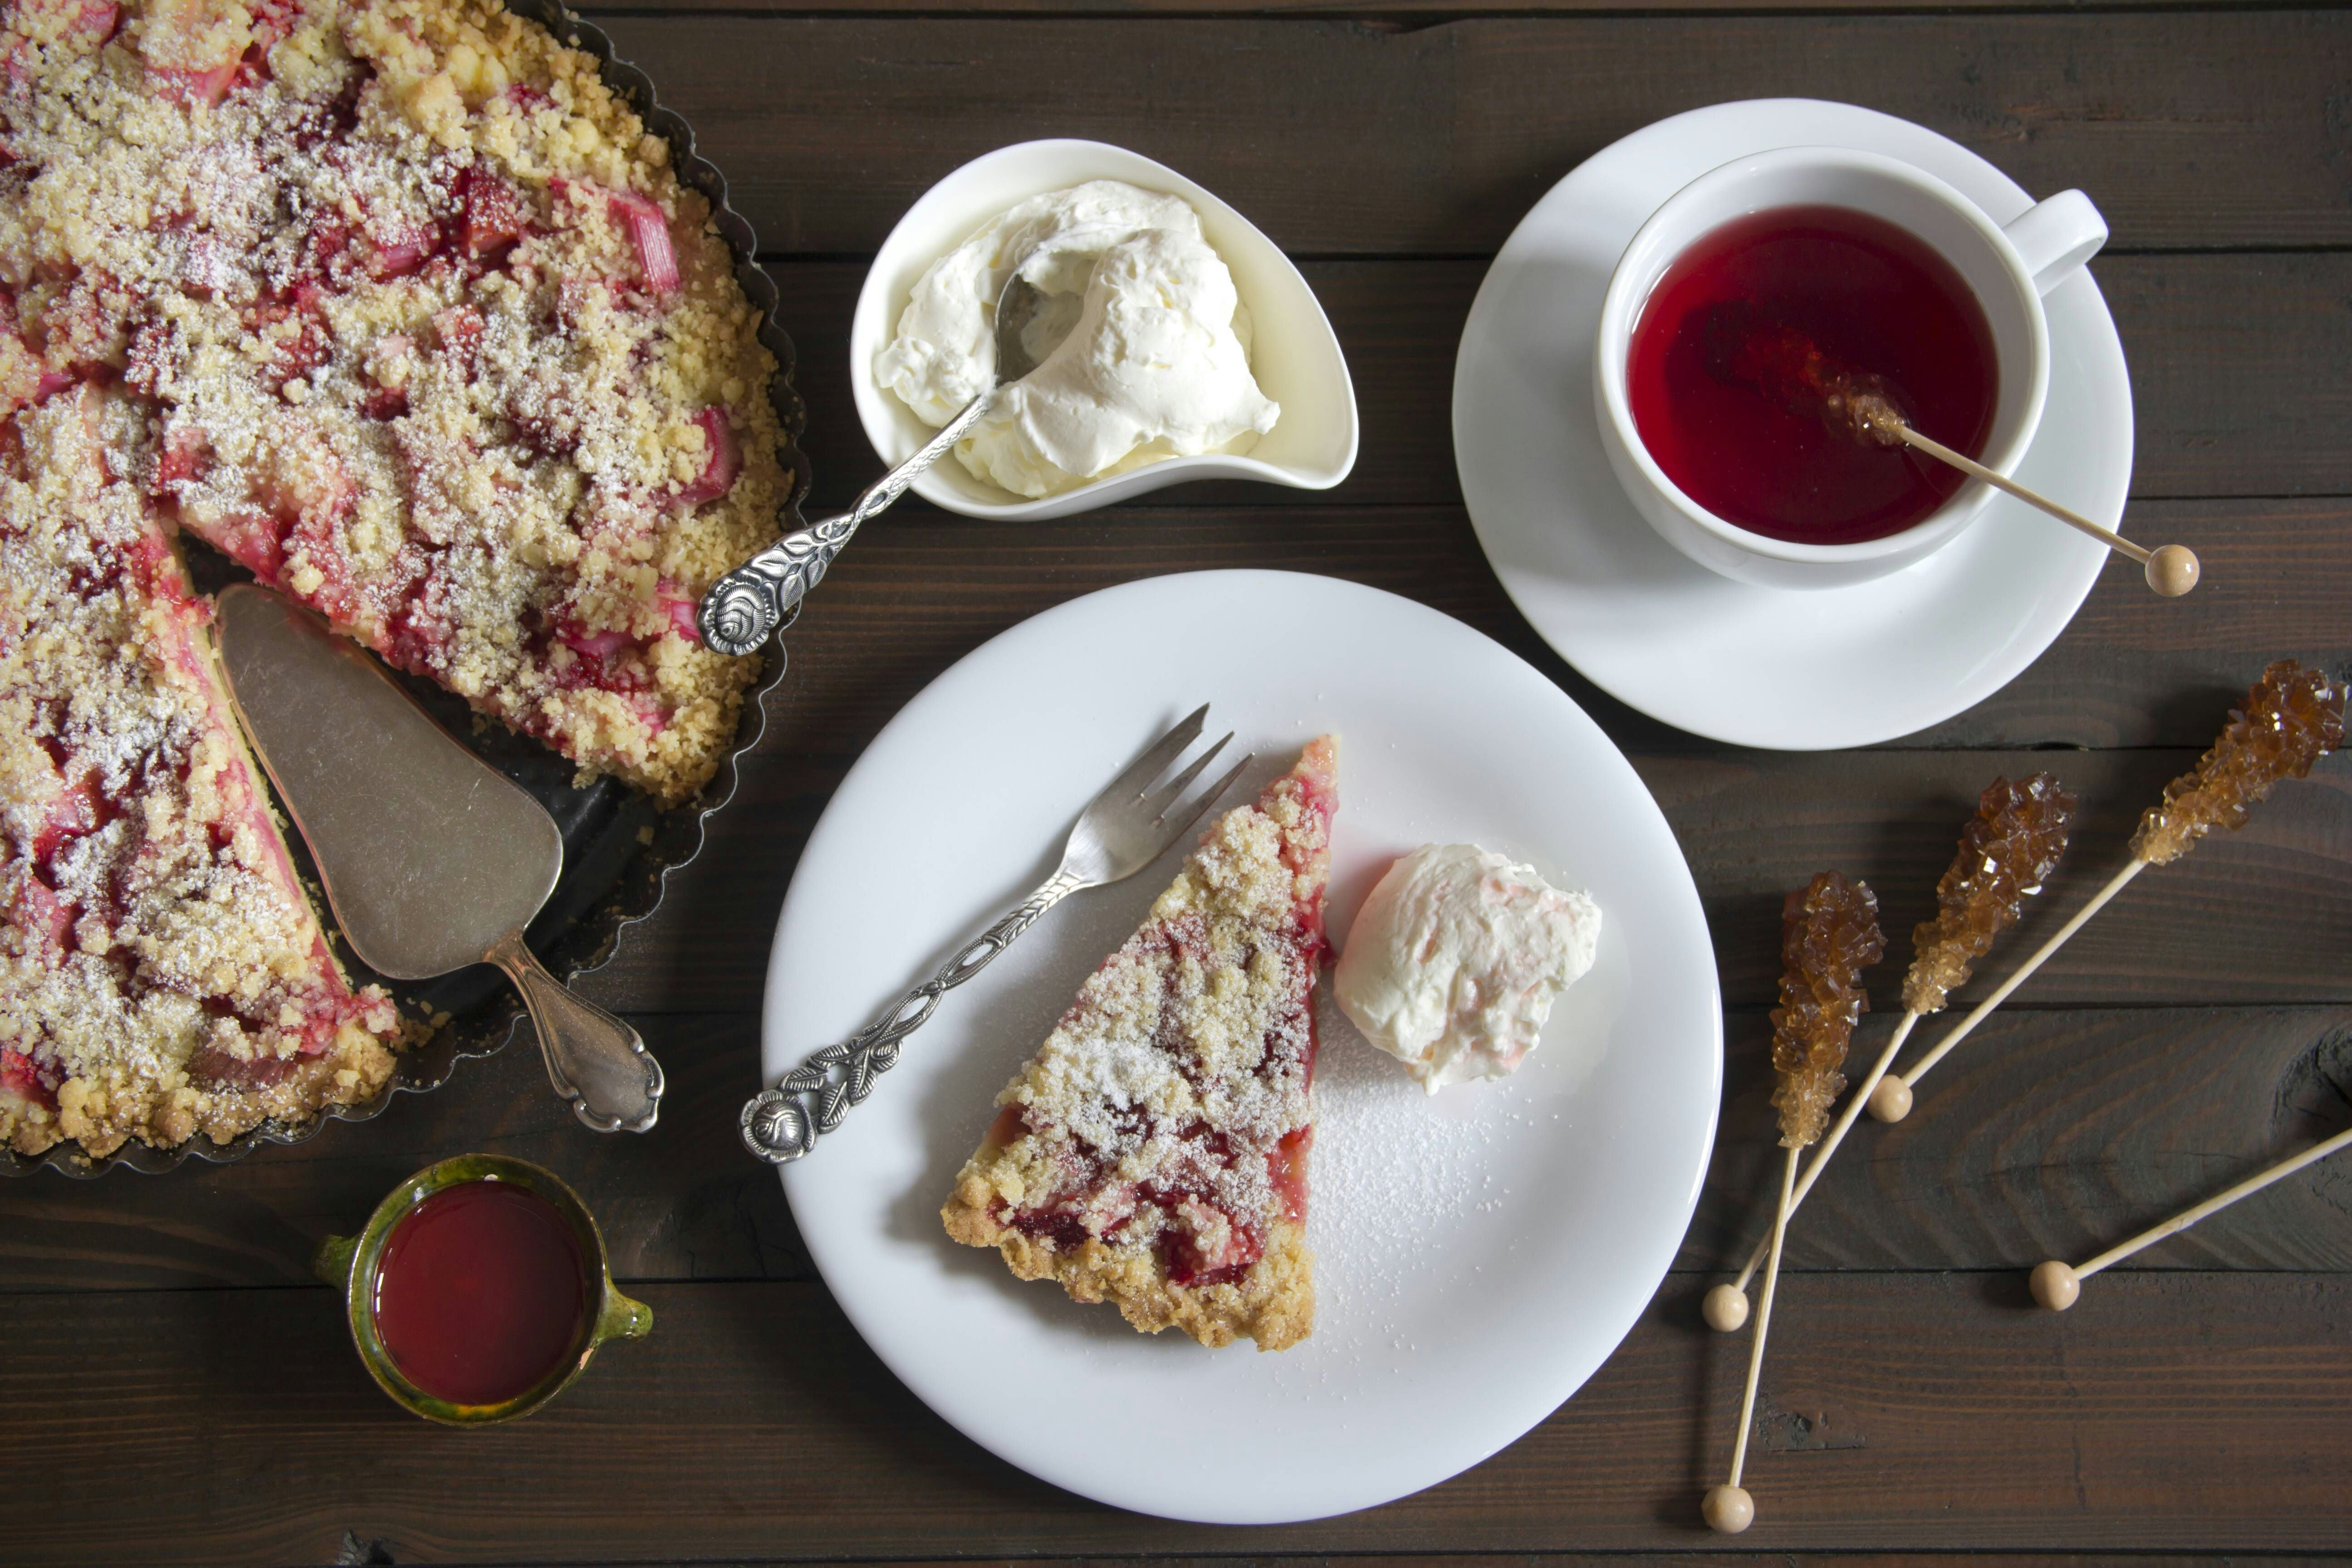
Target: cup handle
{"x": 333, "y": 1261}
{"x": 621, "y": 1319}
{"x": 2056, "y": 237}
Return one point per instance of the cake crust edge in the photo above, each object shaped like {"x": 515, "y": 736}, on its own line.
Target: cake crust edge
{"x": 1278, "y": 1312}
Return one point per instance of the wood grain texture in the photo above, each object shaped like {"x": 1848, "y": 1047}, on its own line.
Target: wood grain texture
{"x": 2166, "y": 1412}
{"x": 162, "y": 1341}
{"x": 919, "y": 589}
{"x": 2233, "y": 364}
{"x": 1394, "y": 14}
{"x": 2056, "y": 1134}
{"x": 2192, "y": 129}
{"x": 1723, "y": 1557}
{"x": 2053, "y": 1134}
{"x": 682, "y": 1201}
{"x": 2263, "y": 915}
{"x": 2256, "y": 916}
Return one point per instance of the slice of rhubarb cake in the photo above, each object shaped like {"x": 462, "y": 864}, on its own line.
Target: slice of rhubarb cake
{"x": 160, "y": 971}
{"x": 1153, "y": 1152}
{"x": 414, "y": 320}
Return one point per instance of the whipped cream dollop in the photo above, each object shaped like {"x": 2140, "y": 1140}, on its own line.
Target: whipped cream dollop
{"x": 1142, "y": 343}
{"x": 1455, "y": 961}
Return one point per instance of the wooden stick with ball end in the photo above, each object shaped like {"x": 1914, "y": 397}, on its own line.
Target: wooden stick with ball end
{"x": 2170, "y": 569}
{"x": 1829, "y": 935}
{"x": 2056, "y": 1285}
{"x": 1790, "y": 369}
{"x": 2007, "y": 849}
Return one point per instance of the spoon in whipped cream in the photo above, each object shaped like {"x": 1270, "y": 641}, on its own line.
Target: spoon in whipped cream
{"x": 1147, "y": 342}
{"x": 758, "y": 599}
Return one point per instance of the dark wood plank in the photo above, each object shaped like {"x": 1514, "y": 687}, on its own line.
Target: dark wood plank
{"x": 920, "y": 589}
{"x": 682, "y": 1201}
{"x": 2053, "y": 1134}
{"x": 1390, "y": 13}
{"x": 2057, "y": 1134}
{"x": 2198, "y": 128}
{"x": 1753, "y": 824}
{"x": 2133, "y": 671}
{"x": 2165, "y": 1413}
{"x": 1722, "y": 1554}
{"x": 2263, "y": 915}
{"x": 2192, "y": 325}
{"x": 2234, "y": 360}
{"x": 2257, "y": 916}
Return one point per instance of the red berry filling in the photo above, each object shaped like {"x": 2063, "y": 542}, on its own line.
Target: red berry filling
{"x": 649, "y": 230}
{"x": 21, "y": 1076}
{"x": 1155, "y": 1150}
{"x": 88, "y": 24}
{"x": 722, "y": 460}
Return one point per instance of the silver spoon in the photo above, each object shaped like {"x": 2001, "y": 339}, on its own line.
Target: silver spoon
{"x": 758, "y": 599}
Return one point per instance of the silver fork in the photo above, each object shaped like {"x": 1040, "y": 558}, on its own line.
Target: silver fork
{"x": 1121, "y": 831}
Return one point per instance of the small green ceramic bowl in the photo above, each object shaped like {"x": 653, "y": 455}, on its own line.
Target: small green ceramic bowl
{"x": 350, "y": 1263}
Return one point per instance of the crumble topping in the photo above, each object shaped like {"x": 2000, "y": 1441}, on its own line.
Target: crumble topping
{"x": 1154, "y": 1150}
{"x": 160, "y": 972}
{"x": 410, "y": 317}
{"x": 397, "y": 304}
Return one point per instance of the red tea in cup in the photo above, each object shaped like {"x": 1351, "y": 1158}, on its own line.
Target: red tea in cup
{"x": 1867, "y": 295}
{"x": 481, "y": 1292}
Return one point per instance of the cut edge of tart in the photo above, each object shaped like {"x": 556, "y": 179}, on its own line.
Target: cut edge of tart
{"x": 419, "y": 325}
{"x": 1153, "y": 1152}
{"x": 161, "y": 971}
{"x": 402, "y": 306}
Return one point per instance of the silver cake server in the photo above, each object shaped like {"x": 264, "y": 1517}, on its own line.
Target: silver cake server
{"x": 432, "y": 859}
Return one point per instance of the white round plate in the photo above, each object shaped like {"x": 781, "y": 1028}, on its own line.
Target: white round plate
{"x": 1478, "y": 1254}
{"x": 1760, "y": 667}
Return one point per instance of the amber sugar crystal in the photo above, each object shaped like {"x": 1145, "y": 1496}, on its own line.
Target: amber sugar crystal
{"x": 2008, "y": 847}
{"x": 2292, "y": 717}
{"x": 1829, "y": 935}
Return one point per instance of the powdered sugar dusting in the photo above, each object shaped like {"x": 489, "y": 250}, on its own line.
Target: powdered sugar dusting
{"x": 1152, "y": 1148}
{"x": 394, "y": 302}
{"x": 160, "y": 971}
{"x": 1395, "y": 1170}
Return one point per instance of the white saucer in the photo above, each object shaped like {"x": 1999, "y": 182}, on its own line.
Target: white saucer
{"x": 1477, "y": 1254}
{"x": 1757, "y": 667}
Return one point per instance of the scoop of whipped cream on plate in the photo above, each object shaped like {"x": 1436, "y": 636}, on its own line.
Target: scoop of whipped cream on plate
{"x": 1455, "y": 958}
{"x": 1143, "y": 342}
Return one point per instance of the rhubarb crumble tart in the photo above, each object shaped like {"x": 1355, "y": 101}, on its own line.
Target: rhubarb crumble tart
{"x": 397, "y": 304}
{"x": 160, "y": 971}
{"x": 1153, "y": 1152}
{"x": 407, "y": 314}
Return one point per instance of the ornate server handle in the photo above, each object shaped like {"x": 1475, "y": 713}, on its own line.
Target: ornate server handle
{"x": 755, "y": 601}
{"x": 597, "y": 1061}
{"x": 784, "y": 1123}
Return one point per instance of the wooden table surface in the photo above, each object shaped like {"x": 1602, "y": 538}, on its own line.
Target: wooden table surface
{"x": 179, "y": 1391}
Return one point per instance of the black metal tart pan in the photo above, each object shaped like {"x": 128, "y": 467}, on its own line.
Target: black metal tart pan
{"x": 615, "y": 872}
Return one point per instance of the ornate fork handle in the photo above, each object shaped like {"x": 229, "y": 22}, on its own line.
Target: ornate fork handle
{"x": 783, "y": 1122}
{"x": 752, "y": 603}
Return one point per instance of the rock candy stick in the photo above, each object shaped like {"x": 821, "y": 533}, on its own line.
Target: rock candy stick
{"x": 2005, "y": 852}
{"x": 1829, "y": 935}
{"x": 2292, "y": 717}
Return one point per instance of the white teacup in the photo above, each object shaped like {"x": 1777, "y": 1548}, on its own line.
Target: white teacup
{"x": 2008, "y": 268}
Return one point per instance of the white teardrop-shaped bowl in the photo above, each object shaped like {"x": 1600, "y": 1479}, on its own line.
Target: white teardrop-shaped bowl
{"x": 1294, "y": 352}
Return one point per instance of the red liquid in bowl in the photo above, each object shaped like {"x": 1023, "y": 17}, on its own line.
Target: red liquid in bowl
{"x": 1867, "y": 294}
{"x": 481, "y": 1291}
